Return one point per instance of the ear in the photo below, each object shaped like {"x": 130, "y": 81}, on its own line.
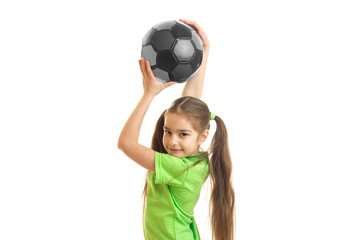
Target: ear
{"x": 203, "y": 136}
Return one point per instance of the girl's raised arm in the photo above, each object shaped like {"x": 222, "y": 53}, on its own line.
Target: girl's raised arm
{"x": 194, "y": 86}
{"x": 128, "y": 139}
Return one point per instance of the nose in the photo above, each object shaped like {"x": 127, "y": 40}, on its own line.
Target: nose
{"x": 173, "y": 140}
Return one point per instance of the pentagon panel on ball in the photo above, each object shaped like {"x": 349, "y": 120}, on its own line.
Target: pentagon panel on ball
{"x": 174, "y": 50}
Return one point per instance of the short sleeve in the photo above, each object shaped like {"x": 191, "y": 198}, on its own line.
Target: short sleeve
{"x": 170, "y": 170}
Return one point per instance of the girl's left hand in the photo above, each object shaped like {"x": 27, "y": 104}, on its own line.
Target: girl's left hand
{"x": 150, "y": 84}
{"x": 201, "y": 33}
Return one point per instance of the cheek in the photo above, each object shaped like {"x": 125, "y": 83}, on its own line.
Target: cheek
{"x": 165, "y": 139}
{"x": 191, "y": 143}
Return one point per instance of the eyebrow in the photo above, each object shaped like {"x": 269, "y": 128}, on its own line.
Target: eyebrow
{"x": 178, "y": 130}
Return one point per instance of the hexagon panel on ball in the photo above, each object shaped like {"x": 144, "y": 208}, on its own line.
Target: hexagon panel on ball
{"x": 183, "y": 50}
{"x": 162, "y": 40}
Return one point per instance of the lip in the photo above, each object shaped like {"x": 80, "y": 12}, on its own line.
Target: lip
{"x": 175, "y": 150}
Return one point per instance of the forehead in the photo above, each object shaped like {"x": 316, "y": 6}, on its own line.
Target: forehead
{"x": 176, "y": 121}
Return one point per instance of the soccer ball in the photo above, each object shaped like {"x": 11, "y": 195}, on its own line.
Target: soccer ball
{"x": 174, "y": 50}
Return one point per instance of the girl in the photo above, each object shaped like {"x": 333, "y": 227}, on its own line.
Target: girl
{"x": 177, "y": 169}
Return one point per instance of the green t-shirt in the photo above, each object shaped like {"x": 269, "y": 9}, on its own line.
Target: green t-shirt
{"x": 172, "y": 193}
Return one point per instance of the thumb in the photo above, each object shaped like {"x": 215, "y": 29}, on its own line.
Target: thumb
{"x": 167, "y": 84}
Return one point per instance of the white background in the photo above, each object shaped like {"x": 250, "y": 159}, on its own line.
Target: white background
{"x": 284, "y": 76}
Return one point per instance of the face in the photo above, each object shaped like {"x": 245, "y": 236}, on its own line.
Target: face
{"x": 180, "y": 138}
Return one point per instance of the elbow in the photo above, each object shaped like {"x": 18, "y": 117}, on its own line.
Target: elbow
{"x": 121, "y": 144}
{"x": 126, "y": 145}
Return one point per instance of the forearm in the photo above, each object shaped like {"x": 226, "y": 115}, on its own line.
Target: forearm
{"x": 129, "y": 136}
{"x": 131, "y": 130}
{"x": 195, "y": 85}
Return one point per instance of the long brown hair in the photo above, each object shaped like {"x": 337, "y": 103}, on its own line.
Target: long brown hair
{"x": 222, "y": 200}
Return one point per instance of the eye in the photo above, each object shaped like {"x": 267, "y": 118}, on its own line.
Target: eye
{"x": 183, "y": 134}
{"x": 167, "y": 132}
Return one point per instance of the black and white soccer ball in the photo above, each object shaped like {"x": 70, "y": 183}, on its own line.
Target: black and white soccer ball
{"x": 174, "y": 50}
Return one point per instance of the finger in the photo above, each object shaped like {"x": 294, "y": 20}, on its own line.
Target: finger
{"x": 140, "y": 65}
{"x": 192, "y": 23}
{"x": 143, "y": 66}
{"x": 202, "y": 34}
{"x": 183, "y": 20}
{"x": 148, "y": 69}
{"x": 186, "y": 21}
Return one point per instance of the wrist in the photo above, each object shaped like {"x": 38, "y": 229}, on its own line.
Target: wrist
{"x": 148, "y": 96}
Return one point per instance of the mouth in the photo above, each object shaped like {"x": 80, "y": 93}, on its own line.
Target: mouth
{"x": 175, "y": 150}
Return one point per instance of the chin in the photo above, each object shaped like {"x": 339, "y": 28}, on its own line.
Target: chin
{"x": 177, "y": 154}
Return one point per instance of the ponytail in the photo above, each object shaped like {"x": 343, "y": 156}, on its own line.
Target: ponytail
{"x": 222, "y": 200}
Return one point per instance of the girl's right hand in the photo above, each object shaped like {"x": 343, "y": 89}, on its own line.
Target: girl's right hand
{"x": 151, "y": 86}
